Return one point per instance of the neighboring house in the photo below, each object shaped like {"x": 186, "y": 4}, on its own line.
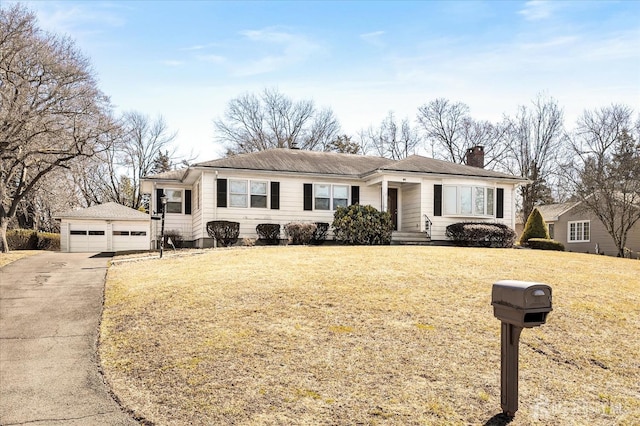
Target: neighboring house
{"x": 280, "y": 186}
{"x": 105, "y": 227}
{"x": 581, "y": 231}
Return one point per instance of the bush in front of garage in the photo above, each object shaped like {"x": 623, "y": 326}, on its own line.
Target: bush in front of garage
{"x": 28, "y": 239}
{"x": 545, "y": 244}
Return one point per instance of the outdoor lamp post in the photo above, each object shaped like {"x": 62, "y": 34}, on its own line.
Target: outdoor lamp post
{"x": 163, "y": 200}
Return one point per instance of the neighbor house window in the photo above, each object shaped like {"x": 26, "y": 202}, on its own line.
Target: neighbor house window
{"x": 579, "y": 232}
{"x": 121, "y": 233}
{"x": 551, "y": 227}
{"x": 238, "y": 193}
{"x": 174, "y": 200}
{"x": 198, "y": 195}
{"x": 469, "y": 200}
{"x": 259, "y": 194}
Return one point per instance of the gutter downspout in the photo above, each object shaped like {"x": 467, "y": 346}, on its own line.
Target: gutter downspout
{"x": 215, "y": 205}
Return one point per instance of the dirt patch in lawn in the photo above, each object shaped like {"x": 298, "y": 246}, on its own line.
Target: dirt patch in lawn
{"x": 12, "y": 256}
{"x": 367, "y": 335}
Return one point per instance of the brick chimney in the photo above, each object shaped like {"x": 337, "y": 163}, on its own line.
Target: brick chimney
{"x": 475, "y": 157}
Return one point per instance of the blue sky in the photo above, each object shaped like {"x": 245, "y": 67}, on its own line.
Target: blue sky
{"x": 186, "y": 60}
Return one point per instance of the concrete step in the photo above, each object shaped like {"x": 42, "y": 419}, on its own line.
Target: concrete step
{"x": 403, "y": 237}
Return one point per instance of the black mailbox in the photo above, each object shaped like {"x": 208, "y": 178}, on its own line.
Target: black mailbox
{"x": 521, "y": 303}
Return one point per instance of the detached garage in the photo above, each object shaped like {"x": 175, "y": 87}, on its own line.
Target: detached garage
{"x": 106, "y": 227}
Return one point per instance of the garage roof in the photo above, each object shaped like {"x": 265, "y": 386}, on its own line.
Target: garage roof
{"x": 108, "y": 211}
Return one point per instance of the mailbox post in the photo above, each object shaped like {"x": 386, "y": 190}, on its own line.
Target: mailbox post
{"x": 518, "y": 305}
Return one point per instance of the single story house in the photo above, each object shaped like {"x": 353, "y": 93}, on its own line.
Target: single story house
{"x": 280, "y": 186}
{"x": 581, "y": 231}
{"x": 106, "y": 227}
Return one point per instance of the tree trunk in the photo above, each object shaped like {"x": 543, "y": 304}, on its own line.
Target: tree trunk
{"x": 4, "y": 224}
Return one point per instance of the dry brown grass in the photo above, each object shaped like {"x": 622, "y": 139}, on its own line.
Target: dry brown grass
{"x": 12, "y": 256}
{"x": 367, "y": 335}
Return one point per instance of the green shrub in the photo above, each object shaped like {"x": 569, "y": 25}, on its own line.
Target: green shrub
{"x": 534, "y": 228}
{"x": 481, "y": 234}
{"x": 320, "y": 234}
{"x": 269, "y": 233}
{"x": 362, "y": 225}
{"x": 224, "y": 232}
{"x": 300, "y": 233}
{"x": 545, "y": 244}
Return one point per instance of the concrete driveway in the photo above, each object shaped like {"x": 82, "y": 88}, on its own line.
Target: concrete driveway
{"x": 50, "y": 308}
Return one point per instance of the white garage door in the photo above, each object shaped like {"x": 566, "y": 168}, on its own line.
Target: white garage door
{"x": 130, "y": 237}
{"x": 87, "y": 237}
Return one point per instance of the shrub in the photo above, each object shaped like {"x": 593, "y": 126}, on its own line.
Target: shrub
{"x": 224, "y": 232}
{"x": 269, "y": 233}
{"x": 481, "y": 234}
{"x": 176, "y": 238}
{"x": 300, "y": 233}
{"x": 320, "y": 234}
{"x": 545, "y": 244}
{"x": 28, "y": 239}
{"x": 22, "y": 239}
{"x": 48, "y": 241}
{"x": 362, "y": 225}
{"x": 534, "y": 228}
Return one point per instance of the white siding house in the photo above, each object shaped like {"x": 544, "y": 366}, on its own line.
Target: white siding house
{"x": 109, "y": 227}
{"x": 280, "y": 186}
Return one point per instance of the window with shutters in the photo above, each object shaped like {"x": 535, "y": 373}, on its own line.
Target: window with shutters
{"x": 462, "y": 200}
{"x": 258, "y": 194}
{"x": 252, "y": 193}
{"x": 174, "y": 200}
{"x": 330, "y": 197}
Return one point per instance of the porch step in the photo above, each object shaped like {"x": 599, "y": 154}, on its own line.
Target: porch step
{"x": 406, "y": 238}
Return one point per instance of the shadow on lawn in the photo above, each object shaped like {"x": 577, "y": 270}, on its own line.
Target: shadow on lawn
{"x": 499, "y": 420}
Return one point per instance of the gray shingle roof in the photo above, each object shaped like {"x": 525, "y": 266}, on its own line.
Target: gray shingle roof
{"x": 108, "y": 211}
{"x": 331, "y": 163}
{"x": 301, "y": 161}
{"x": 551, "y": 212}
{"x": 418, "y": 163}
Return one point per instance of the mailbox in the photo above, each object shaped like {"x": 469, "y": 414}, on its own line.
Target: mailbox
{"x": 517, "y": 304}
{"x": 524, "y": 304}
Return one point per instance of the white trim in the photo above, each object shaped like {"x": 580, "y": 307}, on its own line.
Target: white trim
{"x": 580, "y": 230}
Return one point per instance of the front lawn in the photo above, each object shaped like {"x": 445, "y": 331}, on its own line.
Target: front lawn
{"x": 367, "y": 335}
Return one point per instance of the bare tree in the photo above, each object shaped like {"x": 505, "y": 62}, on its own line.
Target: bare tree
{"x": 391, "y": 139}
{"x": 451, "y": 131}
{"x": 52, "y": 112}
{"x": 535, "y": 141}
{"x": 272, "y": 120}
{"x": 607, "y": 168}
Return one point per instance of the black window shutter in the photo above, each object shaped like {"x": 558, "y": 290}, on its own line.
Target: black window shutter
{"x": 500, "y": 203}
{"x": 221, "y": 193}
{"x": 187, "y": 201}
{"x": 308, "y": 196}
{"x": 437, "y": 200}
{"x": 355, "y": 194}
{"x": 159, "y": 193}
{"x": 275, "y": 195}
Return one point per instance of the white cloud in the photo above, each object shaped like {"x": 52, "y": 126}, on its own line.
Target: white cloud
{"x": 374, "y": 38}
{"x": 536, "y": 10}
{"x": 282, "y": 49}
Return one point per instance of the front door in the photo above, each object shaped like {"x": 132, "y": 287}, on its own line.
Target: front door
{"x": 392, "y": 203}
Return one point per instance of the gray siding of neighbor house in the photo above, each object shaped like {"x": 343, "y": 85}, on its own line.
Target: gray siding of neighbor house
{"x": 598, "y": 235}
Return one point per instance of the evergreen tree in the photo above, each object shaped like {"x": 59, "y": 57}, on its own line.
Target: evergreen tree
{"x": 534, "y": 228}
